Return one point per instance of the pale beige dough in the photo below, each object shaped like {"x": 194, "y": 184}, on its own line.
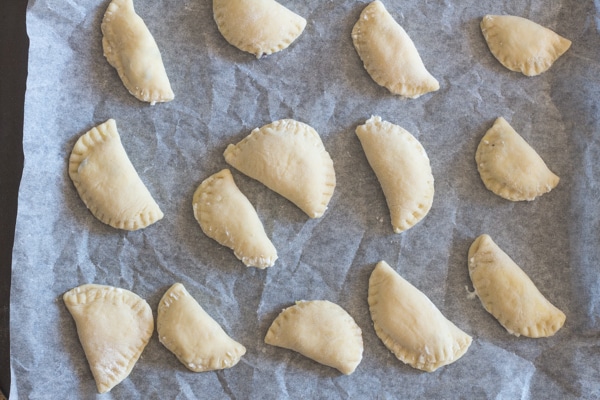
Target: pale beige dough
{"x": 510, "y": 167}
{"x": 192, "y": 335}
{"x": 259, "y": 27}
{"x": 130, "y": 48}
{"x": 389, "y": 55}
{"x": 402, "y": 168}
{"x": 320, "y": 330}
{"x": 114, "y": 326}
{"x": 508, "y": 293}
{"x": 410, "y": 325}
{"x": 522, "y": 45}
{"x": 288, "y": 157}
{"x": 227, "y": 216}
{"x": 108, "y": 183}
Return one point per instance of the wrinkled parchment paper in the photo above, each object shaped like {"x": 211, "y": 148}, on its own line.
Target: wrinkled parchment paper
{"x": 222, "y": 94}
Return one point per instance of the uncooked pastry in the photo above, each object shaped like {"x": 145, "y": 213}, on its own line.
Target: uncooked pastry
{"x": 288, "y": 157}
{"x": 108, "y": 183}
{"x": 410, "y": 325}
{"x": 114, "y": 326}
{"x": 522, "y": 45}
{"x": 509, "y": 167}
{"x": 320, "y": 330}
{"x": 259, "y": 27}
{"x": 130, "y": 48}
{"x": 508, "y": 293}
{"x": 402, "y": 168}
{"x": 192, "y": 335}
{"x": 389, "y": 55}
{"x": 227, "y": 216}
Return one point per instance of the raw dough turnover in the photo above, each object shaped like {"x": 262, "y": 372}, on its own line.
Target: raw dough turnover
{"x": 410, "y": 325}
{"x": 130, "y": 48}
{"x": 402, "y": 168}
{"x": 108, "y": 183}
{"x": 192, "y": 335}
{"x": 227, "y": 216}
{"x": 389, "y": 55}
{"x": 508, "y": 294}
{"x": 320, "y": 330}
{"x": 114, "y": 326}
{"x": 522, "y": 45}
{"x": 509, "y": 167}
{"x": 260, "y": 27}
{"x": 288, "y": 157}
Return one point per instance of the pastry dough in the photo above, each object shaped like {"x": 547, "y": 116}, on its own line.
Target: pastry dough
{"x": 289, "y": 158}
{"x": 192, "y": 335}
{"x": 508, "y": 294}
{"x": 522, "y": 45}
{"x": 130, "y": 48}
{"x": 509, "y": 167}
{"x": 227, "y": 216}
{"x": 410, "y": 325}
{"x": 321, "y": 331}
{"x": 114, "y": 326}
{"x": 389, "y": 55}
{"x": 107, "y": 181}
{"x": 402, "y": 168}
{"x": 260, "y": 27}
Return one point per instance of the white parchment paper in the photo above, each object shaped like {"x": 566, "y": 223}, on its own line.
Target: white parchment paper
{"x": 222, "y": 94}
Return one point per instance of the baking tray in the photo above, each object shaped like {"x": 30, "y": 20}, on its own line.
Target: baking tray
{"x": 13, "y": 69}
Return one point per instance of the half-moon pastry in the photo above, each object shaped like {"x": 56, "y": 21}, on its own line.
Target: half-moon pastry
{"x": 389, "y": 55}
{"x": 508, "y": 293}
{"x": 192, "y": 335}
{"x": 320, "y": 330}
{"x": 259, "y": 27}
{"x": 114, "y": 326}
{"x": 410, "y": 325}
{"x": 402, "y": 168}
{"x": 511, "y": 168}
{"x": 227, "y": 216}
{"x": 130, "y": 48}
{"x": 108, "y": 183}
{"x": 522, "y": 45}
{"x": 289, "y": 158}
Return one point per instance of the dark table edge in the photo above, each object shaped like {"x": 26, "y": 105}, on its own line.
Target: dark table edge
{"x": 14, "y": 49}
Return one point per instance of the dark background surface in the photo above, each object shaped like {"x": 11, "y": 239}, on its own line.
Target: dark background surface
{"x": 14, "y": 46}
